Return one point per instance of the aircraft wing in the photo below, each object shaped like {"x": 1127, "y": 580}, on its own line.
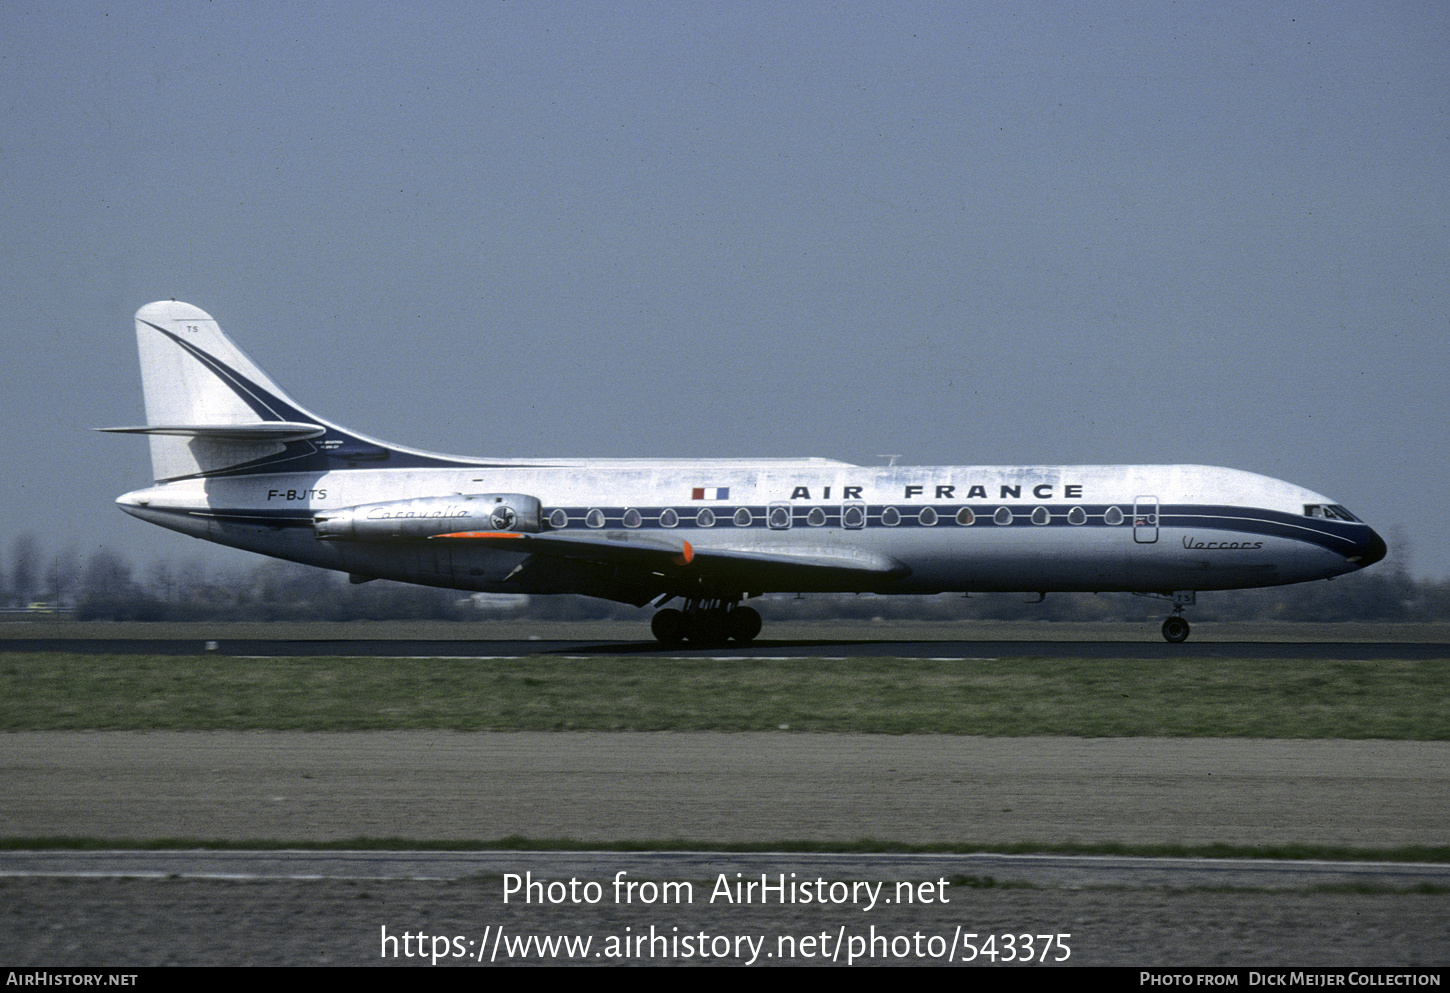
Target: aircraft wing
{"x": 616, "y": 548}
{"x": 676, "y": 556}
{"x": 842, "y": 558}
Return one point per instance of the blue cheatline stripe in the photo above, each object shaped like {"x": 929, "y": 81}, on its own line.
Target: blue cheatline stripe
{"x": 1224, "y": 518}
{"x": 1338, "y": 536}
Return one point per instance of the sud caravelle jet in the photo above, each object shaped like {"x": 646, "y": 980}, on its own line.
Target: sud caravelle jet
{"x": 238, "y": 462}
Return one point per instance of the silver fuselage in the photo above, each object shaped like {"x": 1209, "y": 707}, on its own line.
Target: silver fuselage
{"x": 957, "y": 528}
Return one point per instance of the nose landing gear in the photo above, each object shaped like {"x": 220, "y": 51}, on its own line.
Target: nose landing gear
{"x": 1175, "y": 629}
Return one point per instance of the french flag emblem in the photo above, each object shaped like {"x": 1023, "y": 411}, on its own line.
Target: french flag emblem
{"x": 710, "y": 493}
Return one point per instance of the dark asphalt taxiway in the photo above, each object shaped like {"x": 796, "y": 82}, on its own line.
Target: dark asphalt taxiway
{"x": 812, "y": 648}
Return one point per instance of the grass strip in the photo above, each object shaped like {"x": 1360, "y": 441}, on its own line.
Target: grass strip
{"x": 1307, "y": 698}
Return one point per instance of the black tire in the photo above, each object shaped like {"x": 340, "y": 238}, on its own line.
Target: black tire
{"x": 708, "y": 627}
{"x": 744, "y": 624}
{"x": 1175, "y": 630}
{"x": 668, "y": 626}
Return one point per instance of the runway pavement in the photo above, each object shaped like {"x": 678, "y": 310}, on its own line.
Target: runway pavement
{"x": 978, "y": 869}
{"x": 755, "y": 788}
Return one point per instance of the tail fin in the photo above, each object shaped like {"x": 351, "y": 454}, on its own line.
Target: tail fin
{"x": 208, "y": 407}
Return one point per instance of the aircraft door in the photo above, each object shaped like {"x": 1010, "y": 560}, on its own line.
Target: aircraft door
{"x": 1145, "y": 519}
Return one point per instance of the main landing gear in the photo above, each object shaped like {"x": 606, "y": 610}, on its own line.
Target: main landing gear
{"x": 706, "y": 622}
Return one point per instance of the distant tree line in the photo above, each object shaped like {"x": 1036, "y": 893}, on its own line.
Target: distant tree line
{"x": 108, "y": 586}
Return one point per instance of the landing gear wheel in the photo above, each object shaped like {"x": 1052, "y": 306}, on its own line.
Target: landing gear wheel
{"x": 708, "y": 627}
{"x": 1175, "y": 629}
{"x": 668, "y": 626}
{"x": 744, "y": 624}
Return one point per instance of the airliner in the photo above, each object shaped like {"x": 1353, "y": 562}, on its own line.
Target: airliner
{"x": 239, "y": 462}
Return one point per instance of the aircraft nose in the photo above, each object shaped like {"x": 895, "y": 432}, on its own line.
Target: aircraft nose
{"x": 1370, "y": 550}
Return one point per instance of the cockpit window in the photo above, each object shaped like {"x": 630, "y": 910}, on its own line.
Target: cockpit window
{"x": 1331, "y": 511}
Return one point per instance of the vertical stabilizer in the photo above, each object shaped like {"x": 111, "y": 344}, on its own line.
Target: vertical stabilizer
{"x": 208, "y": 406}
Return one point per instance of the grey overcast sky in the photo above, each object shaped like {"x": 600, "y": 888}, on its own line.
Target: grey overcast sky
{"x": 964, "y": 233}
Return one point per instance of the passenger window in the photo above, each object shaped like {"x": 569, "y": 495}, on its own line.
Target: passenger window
{"x": 1041, "y": 516}
{"x": 595, "y": 518}
{"x": 1077, "y": 516}
{"x": 816, "y": 518}
{"x": 779, "y": 517}
{"x": 632, "y": 519}
{"x": 558, "y": 519}
{"x": 1113, "y": 516}
{"x": 891, "y": 517}
{"x": 743, "y": 518}
{"x": 705, "y": 518}
{"x": 926, "y": 517}
{"x": 668, "y": 518}
{"x": 853, "y": 515}
{"x": 1003, "y": 516}
{"x": 965, "y": 517}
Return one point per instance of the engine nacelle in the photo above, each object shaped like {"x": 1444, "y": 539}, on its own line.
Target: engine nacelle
{"x": 424, "y": 517}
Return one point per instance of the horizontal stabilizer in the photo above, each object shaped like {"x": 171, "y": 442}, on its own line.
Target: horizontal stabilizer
{"x": 262, "y": 431}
